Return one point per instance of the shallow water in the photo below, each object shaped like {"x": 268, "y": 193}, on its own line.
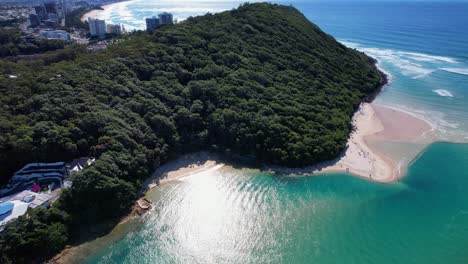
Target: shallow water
{"x": 246, "y": 216}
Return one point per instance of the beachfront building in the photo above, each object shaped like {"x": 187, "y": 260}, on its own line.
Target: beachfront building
{"x": 35, "y": 185}
{"x": 35, "y": 174}
{"x": 33, "y": 199}
{"x": 17, "y": 205}
{"x": 56, "y": 34}
{"x": 165, "y": 18}
{"x": 113, "y": 29}
{"x": 97, "y": 27}
{"x": 162, "y": 19}
{"x": 152, "y": 23}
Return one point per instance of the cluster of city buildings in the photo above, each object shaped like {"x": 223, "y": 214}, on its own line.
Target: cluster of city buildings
{"x": 51, "y": 13}
{"x": 46, "y": 20}
{"x": 99, "y": 28}
{"x": 36, "y": 185}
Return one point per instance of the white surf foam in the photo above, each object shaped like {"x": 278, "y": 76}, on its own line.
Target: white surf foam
{"x": 428, "y": 58}
{"x": 446, "y": 126}
{"x": 402, "y": 60}
{"x": 411, "y": 64}
{"x": 411, "y": 69}
{"x": 463, "y": 71}
{"x": 443, "y": 93}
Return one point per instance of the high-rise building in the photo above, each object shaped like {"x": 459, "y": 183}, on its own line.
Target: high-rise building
{"x": 41, "y": 12}
{"x": 51, "y": 7}
{"x": 113, "y": 29}
{"x": 165, "y": 18}
{"x": 97, "y": 27}
{"x": 34, "y": 20}
{"x": 152, "y": 23}
{"x": 162, "y": 19}
{"x": 62, "y": 8}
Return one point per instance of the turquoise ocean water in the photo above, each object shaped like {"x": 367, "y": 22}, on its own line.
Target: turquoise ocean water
{"x": 249, "y": 216}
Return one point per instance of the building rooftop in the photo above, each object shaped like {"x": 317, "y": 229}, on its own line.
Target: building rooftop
{"x": 39, "y": 199}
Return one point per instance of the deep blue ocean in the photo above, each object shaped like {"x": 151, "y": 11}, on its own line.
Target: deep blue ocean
{"x": 249, "y": 216}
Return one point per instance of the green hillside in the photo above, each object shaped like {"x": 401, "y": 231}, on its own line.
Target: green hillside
{"x": 260, "y": 80}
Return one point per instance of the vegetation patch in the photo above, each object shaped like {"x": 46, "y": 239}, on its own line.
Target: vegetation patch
{"x": 260, "y": 80}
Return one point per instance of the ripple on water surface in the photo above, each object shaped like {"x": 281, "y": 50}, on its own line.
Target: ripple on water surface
{"x": 246, "y": 216}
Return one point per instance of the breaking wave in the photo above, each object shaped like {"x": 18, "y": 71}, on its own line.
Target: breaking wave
{"x": 411, "y": 64}
{"x": 443, "y": 93}
{"x": 463, "y": 71}
{"x": 428, "y": 58}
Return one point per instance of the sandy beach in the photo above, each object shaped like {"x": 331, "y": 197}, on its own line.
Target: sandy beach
{"x": 185, "y": 166}
{"x": 96, "y": 12}
{"x": 374, "y": 124}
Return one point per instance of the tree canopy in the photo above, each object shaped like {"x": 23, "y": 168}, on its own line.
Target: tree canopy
{"x": 259, "y": 80}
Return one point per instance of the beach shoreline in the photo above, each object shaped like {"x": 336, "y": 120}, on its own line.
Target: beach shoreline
{"x": 362, "y": 158}
{"x": 373, "y": 124}
{"x": 185, "y": 166}
{"x": 376, "y": 124}
{"x": 96, "y": 12}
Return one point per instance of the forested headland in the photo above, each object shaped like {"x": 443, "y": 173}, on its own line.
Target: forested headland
{"x": 259, "y": 80}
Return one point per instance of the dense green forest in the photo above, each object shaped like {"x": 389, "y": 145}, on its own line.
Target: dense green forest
{"x": 12, "y": 43}
{"x": 260, "y": 80}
